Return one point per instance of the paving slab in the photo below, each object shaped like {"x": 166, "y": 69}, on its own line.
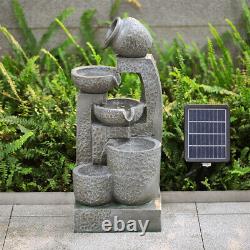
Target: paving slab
{"x": 37, "y": 232}
{"x": 5, "y": 210}
{"x": 4, "y": 221}
{"x": 179, "y": 208}
{"x": 206, "y": 196}
{"x": 179, "y": 231}
{"x": 41, "y": 13}
{"x": 183, "y": 12}
{"x": 224, "y": 208}
{"x": 229, "y": 232}
{"x": 42, "y": 210}
{"x": 59, "y": 198}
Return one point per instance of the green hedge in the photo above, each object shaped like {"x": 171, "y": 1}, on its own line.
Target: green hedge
{"x": 37, "y": 104}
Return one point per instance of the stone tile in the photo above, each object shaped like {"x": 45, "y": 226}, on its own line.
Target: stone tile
{"x": 36, "y": 198}
{"x": 184, "y": 13}
{"x": 42, "y": 210}
{"x": 37, "y": 232}
{"x": 224, "y": 208}
{"x": 226, "y": 231}
{"x": 5, "y": 210}
{"x": 206, "y": 196}
{"x": 179, "y": 232}
{"x": 189, "y": 34}
{"x": 40, "y": 14}
{"x": 4, "y": 221}
{"x": 189, "y": 18}
{"x": 179, "y": 208}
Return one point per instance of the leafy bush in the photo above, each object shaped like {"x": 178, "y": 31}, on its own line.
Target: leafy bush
{"x": 37, "y": 112}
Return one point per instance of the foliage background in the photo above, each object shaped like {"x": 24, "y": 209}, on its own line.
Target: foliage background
{"x": 37, "y": 103}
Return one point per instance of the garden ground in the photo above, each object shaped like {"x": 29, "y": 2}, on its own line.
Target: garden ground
{"x": 224, "y": 225}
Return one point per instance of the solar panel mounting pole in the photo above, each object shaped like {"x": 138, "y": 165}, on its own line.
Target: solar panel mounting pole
{"x": 206, "y": 164}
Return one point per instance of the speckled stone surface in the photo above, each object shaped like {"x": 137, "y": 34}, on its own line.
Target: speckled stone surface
{"x": 89, "y": 219}
{"x": 128, "y": 38}
{"x": 84, "y": 126}
{"x": 92, "y": 184}
{"x": 151, "y": 96}
{"x": 95, "y": 79}
{"x": 119, "y": 112}
{"x": 101, "y": 134}
{"x": 135, "y": 168}
{"x": 122, "y": 136}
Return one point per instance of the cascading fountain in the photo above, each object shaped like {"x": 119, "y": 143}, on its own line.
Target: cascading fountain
{"x": 118, "y": 147}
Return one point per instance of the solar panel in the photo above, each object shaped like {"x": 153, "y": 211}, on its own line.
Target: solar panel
{"x": 207, "y": 133}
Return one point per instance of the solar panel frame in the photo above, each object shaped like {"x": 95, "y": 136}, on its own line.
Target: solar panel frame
{"x": 227, "y": 132}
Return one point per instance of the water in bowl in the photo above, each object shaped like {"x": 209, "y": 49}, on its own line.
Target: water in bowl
{"x": 136, "y": 145}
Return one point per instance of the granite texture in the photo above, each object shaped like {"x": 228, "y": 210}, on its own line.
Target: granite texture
{"x": 119, "y": 112}
{"x": 118, "y": 132}
{"x": 84, "y": 126}
{"x": 99, "y": 140}
{"x": 101, "y": 135}
{"x": 225, "y": 231}
{"x": 121, "y": 136}
{"x": 92, "y": 184}
{"x": 151, "y": 94}
{"x": 128, "y": 38}
{"x": 89, "y": 219}
{"x": 135, "y": 168}
{"x": 95, "y": 79}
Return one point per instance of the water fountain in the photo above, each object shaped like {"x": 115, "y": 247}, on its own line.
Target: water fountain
{"x": 118, "y": 147}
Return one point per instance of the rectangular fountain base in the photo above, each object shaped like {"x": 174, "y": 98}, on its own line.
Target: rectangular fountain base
{"x": 118, "y": 218}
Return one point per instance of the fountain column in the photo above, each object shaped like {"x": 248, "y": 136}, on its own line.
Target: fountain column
{"x": 146, "y": 68}
{"x": 84, "y": 125}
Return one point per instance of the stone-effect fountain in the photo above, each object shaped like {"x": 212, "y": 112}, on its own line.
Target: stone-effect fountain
{"x": 118, "y": 146}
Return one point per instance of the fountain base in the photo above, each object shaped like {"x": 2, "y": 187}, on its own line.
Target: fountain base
{"x": 91, "y": 219}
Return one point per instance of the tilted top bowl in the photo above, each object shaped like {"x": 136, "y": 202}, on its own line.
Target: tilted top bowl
{"x": 95, "y": 79}
{"x": 119, "y": 112}
{"x": 128, "y": 38}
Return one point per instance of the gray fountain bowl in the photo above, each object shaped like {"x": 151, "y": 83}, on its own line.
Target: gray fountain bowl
{"x": 92, "y": 184}
{"x": 135, "y": 167}
{"x": 119, "y": 111}
{"x": 128, "y": 37}
{"x": 95, "y": 79}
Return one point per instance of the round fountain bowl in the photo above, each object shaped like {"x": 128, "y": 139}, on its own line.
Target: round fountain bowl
{"x": 119, "y": 112}
{"x": 92, "y": 184}
{"x": 135, "y": 167}
{"x": 95, "y": 79}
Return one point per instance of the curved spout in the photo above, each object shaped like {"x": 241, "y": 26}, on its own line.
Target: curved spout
{"x": 129, "y": 114}
{"x": 116, "y": 80}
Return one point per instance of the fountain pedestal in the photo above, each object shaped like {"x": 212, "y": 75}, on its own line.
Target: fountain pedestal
{"x": 90, "y": 219}
{"x": 118, "y": 153}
